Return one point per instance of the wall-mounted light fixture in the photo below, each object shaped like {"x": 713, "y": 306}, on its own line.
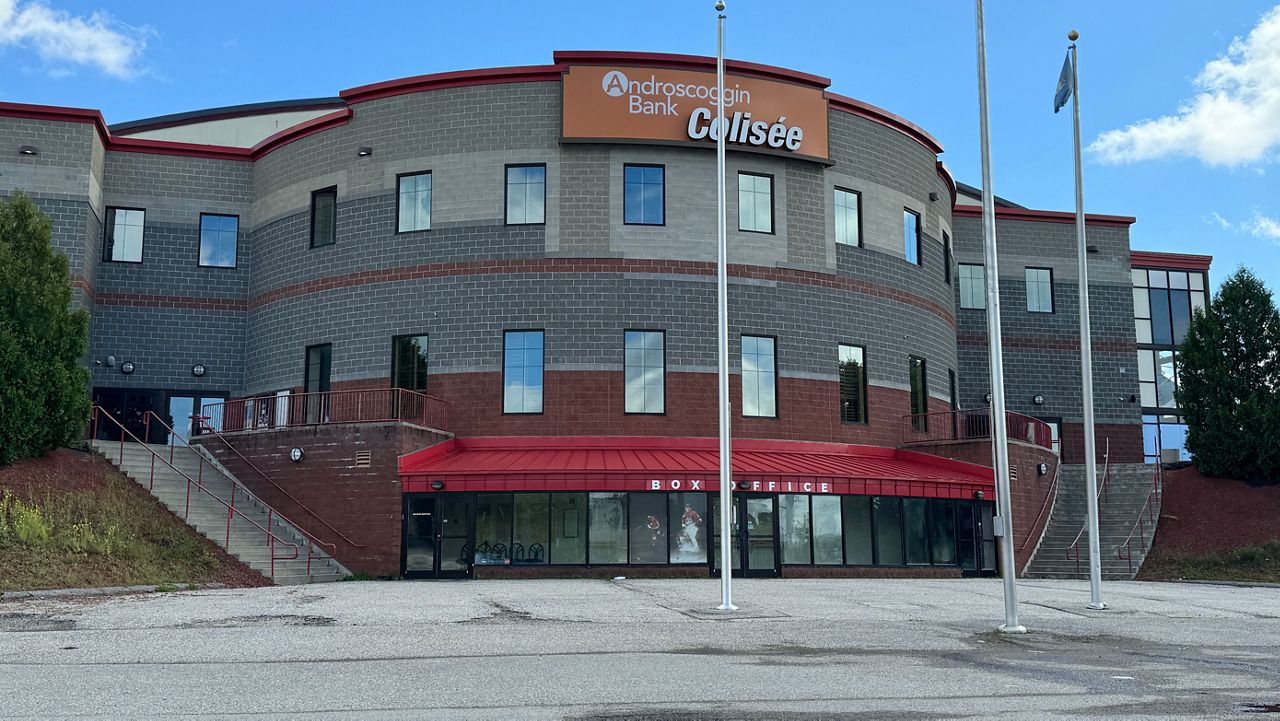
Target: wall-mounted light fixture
{"x": 198, "y": 370}
{"x": 437, "y": 485}
{"x": 987, "y": 398}
{"x": 296, "y": 455}
{"x": 979, "y": 495}
{"x": 1037, "y": 399}
{"x": 1091, "y": 249}
{"x": 28, "y": 150}
{"x": 1043, "y": 469}
{"x": 364, "y": 151}
{"x": 127, "y": 367}
{"x": 933, "y": 197}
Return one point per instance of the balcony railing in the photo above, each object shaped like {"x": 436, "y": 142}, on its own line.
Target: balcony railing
{"x": 970, "y": 425}
{"x": 290, "y": 410}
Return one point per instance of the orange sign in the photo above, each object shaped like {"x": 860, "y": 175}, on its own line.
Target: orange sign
{"x": 636, "y": 103}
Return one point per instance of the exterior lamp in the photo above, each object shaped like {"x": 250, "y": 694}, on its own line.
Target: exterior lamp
{"x": 296, "y": 455}
{"x": 364, "y": 151}
{"x": 127, "y": 367}
{"x": 1037, "y": 399}
{"x": 744, "y": 485}
{"x": 1043, "y": 469}
{"x": 979, "y": 495}
{"x": 987, "y": 398}
{"x": 28, "y": 150}
{"x": 198, "y": 370}
{"x": 437, "y": 485}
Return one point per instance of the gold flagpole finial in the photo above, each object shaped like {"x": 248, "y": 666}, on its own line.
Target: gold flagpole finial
{"x": 1073, "y": 36}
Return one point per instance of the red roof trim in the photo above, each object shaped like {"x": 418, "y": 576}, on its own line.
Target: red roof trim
{"x": 1181, "y": 261}
{"x": 884, "y": 117}
{"x": 56, "y": 114}
{"x": 688, "y": 62}
{"x": 455, "y": 79}
{"x": 1045, "y": 216}
{"x": 945, "y": 174}
{"x": 170, "y": 147}
{"x": 301, "y": 130}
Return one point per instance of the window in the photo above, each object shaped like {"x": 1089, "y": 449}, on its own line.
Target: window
{"x": 848, "y": 217}
{"x": 973, "y": 286}
{"x": 123, "y": 241}
{"x": 1039, "y": 290}
{"x": 942, "y": 530}
{"x": 608, "y": 528}
{"x": 644, "y": 195}
{"x": 755, "y": 203}
{"x": 826, "y": 531}
{"x": 853, "y": 385}
{"x": 1055, "y": 433}
{"x": 526, "y": 194}
{"x": 648, "y": 526}
{"x": 919, "y": 394}
{"x": 1157, "y": 378}
{"x": 530, "y": 539}
{"x": 324, "y": 217}
{"x": 759, "y": 377}
{"x": 946, "y": 258}
{"x": 915, "y": 523}
{"x": 1163, "y": 301}
{"x": 856, "y": 519}
{"x": 409, "y": 362}
{"x": 688, "y": 529}
{"x": 568, "y": 528}
{"x": 643, "y": 371}
{"x": 793, "y": 528}
{"x": 493, "y": 529}
{"x": 911, "y": 236}
{"x": 218, "y": 240}
{"x": 522, "y": 356}
{"x": 887, "y": 513}
{"x": 413, "y": 212}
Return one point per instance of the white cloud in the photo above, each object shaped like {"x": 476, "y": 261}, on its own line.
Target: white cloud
{"x": 60, "y": 38}
{"x": 1216, "y": 218}
{"x": 1261, "y": 226}
{"x": 1233, "y": 120}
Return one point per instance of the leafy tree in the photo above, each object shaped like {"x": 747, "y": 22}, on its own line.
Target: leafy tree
{"x": 44, "y": 398}
{"x": 1229, "y": 381}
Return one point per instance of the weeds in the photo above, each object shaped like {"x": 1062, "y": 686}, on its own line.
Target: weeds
{"x": 1248, "y": 563}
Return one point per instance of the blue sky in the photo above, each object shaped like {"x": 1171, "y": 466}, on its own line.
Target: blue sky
{"x": 1202, "y": 177}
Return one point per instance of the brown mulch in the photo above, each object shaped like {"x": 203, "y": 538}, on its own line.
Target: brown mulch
{"x": 68, "y": 471}
{"x": 1200, "y": 514}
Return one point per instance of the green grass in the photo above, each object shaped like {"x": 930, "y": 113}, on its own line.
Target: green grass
{"x": 1250, "y": 563}
{"x": 116, "y": 535}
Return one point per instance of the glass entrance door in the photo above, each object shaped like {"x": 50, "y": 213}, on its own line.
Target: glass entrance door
{"x": 754, "y": 536}
{"x": 437, "y": 536}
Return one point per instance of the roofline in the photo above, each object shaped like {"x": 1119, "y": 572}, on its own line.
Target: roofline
{"x": 689, "y": 62}
{"x": 1000, "y": 202}
{"x": 225, "y": 113}
{"x": 884, "y": 117}
{"x": 1181, "y": 261}
{"x": 945, "y": 173}
{"x": 1045, "y": 216}
{"x": 453, "y": 79}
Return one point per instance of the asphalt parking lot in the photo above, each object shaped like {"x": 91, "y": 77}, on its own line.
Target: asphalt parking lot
{"x": 651, "y": 650}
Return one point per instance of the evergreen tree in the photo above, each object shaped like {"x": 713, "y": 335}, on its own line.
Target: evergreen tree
{"x": 44, "y": 400}
{"x": 1229, "y": 382}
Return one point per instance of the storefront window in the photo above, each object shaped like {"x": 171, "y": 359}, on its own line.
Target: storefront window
{"x": 793, "y": 524}
{"x": 888, "y": 519}
{"x": 826, "y": 531}
{"x": 915, "y": 525}
{"x": 568, "y": 528}
{"x": 493, "y": 529}
{"x": 943, "y": 530}
{"x": 529, "y": 544}
{"x": 856, "y": 518}
{"x": 608, "y": 528}
{"x": 689, "y": 532}
{"x": 648, "y": 528}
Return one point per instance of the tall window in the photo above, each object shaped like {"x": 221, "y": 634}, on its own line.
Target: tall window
{"x": 522, "y": 371}
{"x": 911, "y": 237}
{"x": 526, "y": 194}
{"x": 644, "y": 195}
{"x": 1158, "y": 378}
{"x": 973, "y": 286}
{"x": 759, "y": 377}
{"x": 755, "y": 202}
{"x": 123, "y": 241}
{"x": 218, "y": 240}
{"x": 413, "y": 212}
{"x": 919, "y": 394}
{"x": 409, "y": 362}
{"x": 324, "y": 217}
{"x": 848, "y": 217}
{"x": 1163, "y": 301}
{"x": 853, "y": 385}
{"x": 1039, "y": 290}
{"x": 946, "y": 258}
{"x": 644, "y": 371}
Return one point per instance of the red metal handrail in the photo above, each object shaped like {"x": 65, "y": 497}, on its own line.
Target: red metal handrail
{"x": 1124, "y": 551}
{"x": 972, "y": 424}
{"x": 379, "y": 405}
{"x": 1044, "y": 508}
{"x": 271, "y": 538}
{"x": 207, "y": 429}
{"x": 1073, "y": 551}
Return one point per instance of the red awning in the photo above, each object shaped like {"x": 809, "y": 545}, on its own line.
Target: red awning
{"x": 688, "y": 464}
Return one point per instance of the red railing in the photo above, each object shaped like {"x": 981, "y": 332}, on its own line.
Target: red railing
{"x": 1073, "y": 551}
{"x": 972, "y": 424}
{"x": 1146, "y": 515}
{"x": 206, "y": 429}
{"x": 269, "y": 537}
{"x": 1044, "y": 507}
{"x": 379, "y": 405}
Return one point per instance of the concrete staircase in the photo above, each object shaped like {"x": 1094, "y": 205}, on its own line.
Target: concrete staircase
{"x": 1118, "y": 511}
{"x": 248, "y": 542}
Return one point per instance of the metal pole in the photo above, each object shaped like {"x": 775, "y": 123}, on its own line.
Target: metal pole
{"x": 1086, "y": 356}
{"x": 999, "y": 429}
{"x": 722, "y": 330}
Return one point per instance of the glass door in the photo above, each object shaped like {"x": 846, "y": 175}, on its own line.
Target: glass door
{"x": 754, "y": 536}
{"x": 420, "y": 536}
{"x": 437, "y": 535}
{"x": 316, "y": 381}
{"x": 181, "y": 408}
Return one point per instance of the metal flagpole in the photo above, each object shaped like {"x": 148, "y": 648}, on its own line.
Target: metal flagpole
{"x": 999, "y": 429}
{"x": 1086, "y": 355}
{"x": 722, "y": 329}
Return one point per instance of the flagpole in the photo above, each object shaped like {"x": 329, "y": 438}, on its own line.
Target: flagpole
{"x": 722, "y": 330}
{"x": 1086, "y": 354}
{"x": 999, "y": 429}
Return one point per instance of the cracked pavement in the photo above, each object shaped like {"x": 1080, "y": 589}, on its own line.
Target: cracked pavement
{"x": 648, "y": 650}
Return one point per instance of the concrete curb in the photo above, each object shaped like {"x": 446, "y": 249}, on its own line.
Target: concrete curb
{"x": 1240, "y": 584}
{"x": 103, "y": 591}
